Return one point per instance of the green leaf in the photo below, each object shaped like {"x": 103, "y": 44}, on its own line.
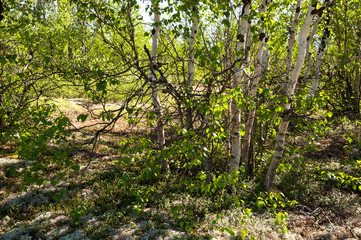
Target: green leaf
{"x": 92, "y": 16}
{"x": 76, "y": 168}
{"x": 226, "y": 22}
{"x": 3, "y": 61}
{"x": 101, "y": 85}
{"x": 82, "y": 117}
{"x": 21, "y": 75}
{"x": 243, "y": 132}
{"x": 260, "y": 204}
{"x": 230, "y": 231}
{"x": 203, "y": 176}
{"x": 47, "y": 59}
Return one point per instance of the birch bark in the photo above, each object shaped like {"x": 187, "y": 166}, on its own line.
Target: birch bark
{"x": 308, "y": 49}
{"x": 241, "y": 47}
{"x": 292, "y": 39}
{"x": 321, "y": 51}
{"x": 228, "y": 113}
{"x": 190, "y": 79}
{"x": 153, "y": 79}
{"x": 289, "y": 91}
{"x": 253, "y": 92}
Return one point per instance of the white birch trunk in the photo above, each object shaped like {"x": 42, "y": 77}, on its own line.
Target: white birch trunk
{"x": 252, "y": 94}
{"x": 321, "y": 51}
{"x": 265, "y": 58}
{"x": 308, "y": 49}
{"x": 241, "y": 45}
{"x": 190, "y": 79}
{"x": 292, "y": 38}
{"x": 289, "y": 91}
{"x": 228, "y": 113}
{"x": 155, "y": 95}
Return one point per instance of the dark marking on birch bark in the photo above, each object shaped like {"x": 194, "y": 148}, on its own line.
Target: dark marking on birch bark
{"x": 279, "y": 148}
{"x": 318, "y": 11}
{"x": 298, "y": 9}
{"x": 245, "y": 3}
{"x": 240, "y": 38}
{"x": 261, "y": 36}
{"x": 281, "y": 134}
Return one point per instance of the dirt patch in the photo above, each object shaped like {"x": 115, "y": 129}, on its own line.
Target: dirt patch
{"x": 329, "y": 148}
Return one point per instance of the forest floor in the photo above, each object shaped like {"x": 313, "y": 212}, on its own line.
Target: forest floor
{"x": 93, "y": 203}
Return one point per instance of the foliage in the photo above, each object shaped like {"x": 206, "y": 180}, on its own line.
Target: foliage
{"x": 99, "y": 53}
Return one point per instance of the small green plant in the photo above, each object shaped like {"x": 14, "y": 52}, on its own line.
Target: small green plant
{"x": 34, "y": 143}
{"x": 342, "y": 179}
{"x": 273, "y": 202}
{"x": 78, "y": 212}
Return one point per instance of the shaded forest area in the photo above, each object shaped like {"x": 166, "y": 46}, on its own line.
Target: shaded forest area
{"x": 167, "y": 119}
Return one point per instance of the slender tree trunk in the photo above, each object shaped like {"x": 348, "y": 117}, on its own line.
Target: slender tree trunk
{"x": 291, "y": 42}
{"x": 190, "y": 79}
{"x": 2, "y": 122}
{"x": 252, "y": 94}
{"x": 308, "y": 49}
{"x": 70, "y": 50}
{"x": 265, "y": 58}
{"x": 357, "y": 84}
{"x": 153, "y": 78}
{"x": 358, "y": 66}
{"x": 321, "y": 51}
{"x": 292, "y": 39}
{"x": 228, "y": 113}
{"x": 241, "y": 46}
{"x": 289, "y": 91}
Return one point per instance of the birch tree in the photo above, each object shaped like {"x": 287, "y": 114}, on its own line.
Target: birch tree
{"x": 289, "y": 89}
{"x": 308, "y": 49}
{"x": 153, "y": 79}
{"x": 190, "y": 78}
{"x": 320, "y": 53}
{"x": 357, "y": 74}
{"x": 292, "y": 37}
{"x": 253, "y": 89}
{"x": 227, "y": 66}
{"x": 241, "y": 47}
